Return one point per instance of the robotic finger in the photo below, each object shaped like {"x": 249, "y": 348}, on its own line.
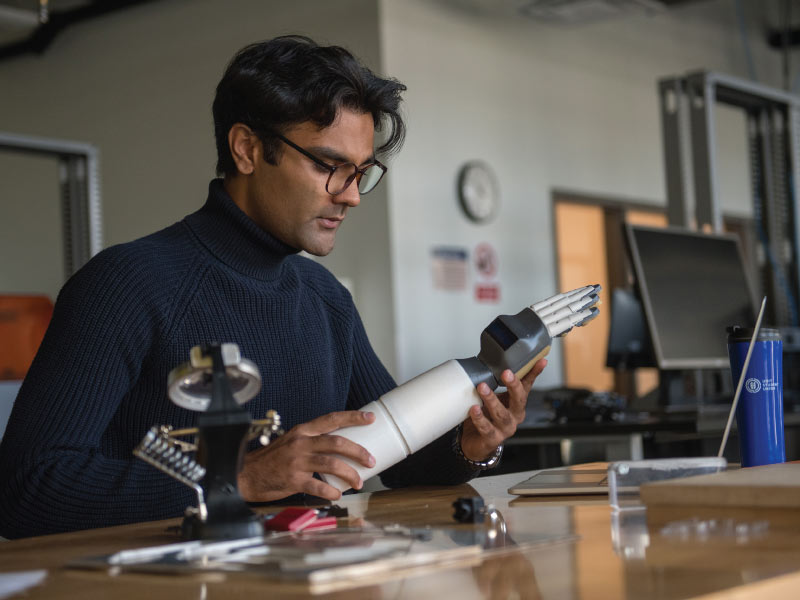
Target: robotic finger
{"x": 554, "y": 303}
{"x": 570, "y": 309}
{"x": 543, "y": 304}
{"x": 562, "y": 326}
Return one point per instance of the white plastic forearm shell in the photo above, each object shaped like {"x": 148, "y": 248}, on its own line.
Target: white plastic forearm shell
{"x": 410, "y": 417}
{"x": 416, "y": 413}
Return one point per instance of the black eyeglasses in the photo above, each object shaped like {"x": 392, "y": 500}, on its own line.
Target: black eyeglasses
{"x": 343, "y": 175}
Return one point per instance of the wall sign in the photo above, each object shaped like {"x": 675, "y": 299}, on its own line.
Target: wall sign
{"x": 487, "y": 292}
{"x": 485, "y": 259}
{"x": 449, "y": 268}
{"x": 487, "y": 264}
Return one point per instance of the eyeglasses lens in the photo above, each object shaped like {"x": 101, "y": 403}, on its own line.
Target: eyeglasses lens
{"x": 344, "y": 175}
{"x": 370, "y": 179}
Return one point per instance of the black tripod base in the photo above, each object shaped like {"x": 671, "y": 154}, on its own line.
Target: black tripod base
{"x": 193, "y": 528}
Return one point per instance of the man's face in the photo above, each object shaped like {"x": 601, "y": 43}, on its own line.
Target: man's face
{"x": 289, "y": 199}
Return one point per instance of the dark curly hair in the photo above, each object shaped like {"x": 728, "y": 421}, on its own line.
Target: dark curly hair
{"x": 270, "y": 86}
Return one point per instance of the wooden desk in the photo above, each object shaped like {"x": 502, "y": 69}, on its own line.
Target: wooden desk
{"x": 645, "y": 564}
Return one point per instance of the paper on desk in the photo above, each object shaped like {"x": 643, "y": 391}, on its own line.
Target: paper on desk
{"x": 14, "y": 583}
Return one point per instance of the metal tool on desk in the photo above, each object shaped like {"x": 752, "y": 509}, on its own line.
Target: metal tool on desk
{"x": 471, "y": 509}
{"x": 216, "y": 381}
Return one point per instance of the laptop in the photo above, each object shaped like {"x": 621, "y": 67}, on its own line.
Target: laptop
{"x": 563, "y": 482}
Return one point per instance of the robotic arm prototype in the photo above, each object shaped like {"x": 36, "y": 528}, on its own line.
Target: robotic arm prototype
{"x": 446, "y": 393}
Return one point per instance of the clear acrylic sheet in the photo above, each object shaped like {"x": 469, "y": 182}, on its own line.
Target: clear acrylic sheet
{"x": 625, "y": 477}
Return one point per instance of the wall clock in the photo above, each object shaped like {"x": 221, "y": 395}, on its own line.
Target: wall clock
{"x": 478, "y": 192}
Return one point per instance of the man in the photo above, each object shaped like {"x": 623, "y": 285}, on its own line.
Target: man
{"x": 294, "y": 126}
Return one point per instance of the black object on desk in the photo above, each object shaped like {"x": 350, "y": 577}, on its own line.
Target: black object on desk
{"x": 578, "y": 405}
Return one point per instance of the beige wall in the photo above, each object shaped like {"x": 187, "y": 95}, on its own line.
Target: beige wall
{"x": 548, "y": 107}
{"x": 139, "y": 84}
{"x": 573, "y": 108}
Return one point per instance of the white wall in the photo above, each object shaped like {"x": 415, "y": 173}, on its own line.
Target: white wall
{"x": 139, "y": 85}
{"x": 567, "y": 107}
{"x": 548, "y": 107}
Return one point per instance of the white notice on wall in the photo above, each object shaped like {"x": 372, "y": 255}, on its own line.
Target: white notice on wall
{"x": 487, "y": 265}
{"x": 449, "y": 268}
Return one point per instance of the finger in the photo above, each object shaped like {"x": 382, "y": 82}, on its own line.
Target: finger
{"x": 494, "y": 410}
{"x": 336, "y": 444}
{"x": 330, "y": 465}
{"x": 318, "y": 488}
{"x": 517, "y": 395}
{"x": 479, "y": 437}
{"x": 531, "y": 375}
{"x": 482, "y": 425}
{"x": 336, "y": 420}
{"x": 489, "y": 435}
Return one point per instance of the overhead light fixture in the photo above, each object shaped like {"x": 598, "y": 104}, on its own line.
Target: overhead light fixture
{"x": 585, "y": 11}
{"x": 18, "y": 18}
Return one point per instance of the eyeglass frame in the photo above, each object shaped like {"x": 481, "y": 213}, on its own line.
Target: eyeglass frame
{"x": 357, "y": 175}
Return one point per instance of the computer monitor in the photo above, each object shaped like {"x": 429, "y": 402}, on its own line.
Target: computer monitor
{"x": 693, "y": 286}
{"x": 629, "y": 344}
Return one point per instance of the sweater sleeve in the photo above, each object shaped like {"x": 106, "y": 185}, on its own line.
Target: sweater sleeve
{"x": 55, "y": 475}
{"x": 436, "y": 463}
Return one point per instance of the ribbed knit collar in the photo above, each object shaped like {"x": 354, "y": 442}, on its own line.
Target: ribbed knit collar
{"x": 234, "y": 238}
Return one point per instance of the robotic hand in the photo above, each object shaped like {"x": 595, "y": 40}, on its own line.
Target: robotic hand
{"x": 562, "y": 312}
{"x": 446, "y": 393}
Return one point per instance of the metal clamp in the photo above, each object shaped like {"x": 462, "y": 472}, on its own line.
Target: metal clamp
{"x": 189, "y": 384}
{"x": 164, "y": 453}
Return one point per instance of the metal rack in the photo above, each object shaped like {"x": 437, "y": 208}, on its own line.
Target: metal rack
{"x": 773, "y": 127}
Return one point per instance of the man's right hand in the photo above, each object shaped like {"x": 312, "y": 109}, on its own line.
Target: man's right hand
{"x": 287, "y": 465}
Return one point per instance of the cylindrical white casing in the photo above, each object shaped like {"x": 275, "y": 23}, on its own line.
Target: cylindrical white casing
{"x": 431, "y": 404}
{"x": 381, "y": 438}
{"x": 410, "y": 417}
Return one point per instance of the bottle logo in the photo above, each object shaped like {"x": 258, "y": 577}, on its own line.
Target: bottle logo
{"x": 753, "y": 385}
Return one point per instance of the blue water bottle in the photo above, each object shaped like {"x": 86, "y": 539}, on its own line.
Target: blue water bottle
{"x": 759, "y": 415}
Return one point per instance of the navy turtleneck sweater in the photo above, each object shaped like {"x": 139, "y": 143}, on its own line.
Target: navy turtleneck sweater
{"x": 128, "y": 317}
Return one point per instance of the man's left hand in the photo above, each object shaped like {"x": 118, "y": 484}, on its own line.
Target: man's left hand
{"x": 490, "y": 425}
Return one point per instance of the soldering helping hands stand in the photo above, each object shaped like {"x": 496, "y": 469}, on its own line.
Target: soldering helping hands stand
{"x": 447, "y": 392}
{"x": 216, "y": 381}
